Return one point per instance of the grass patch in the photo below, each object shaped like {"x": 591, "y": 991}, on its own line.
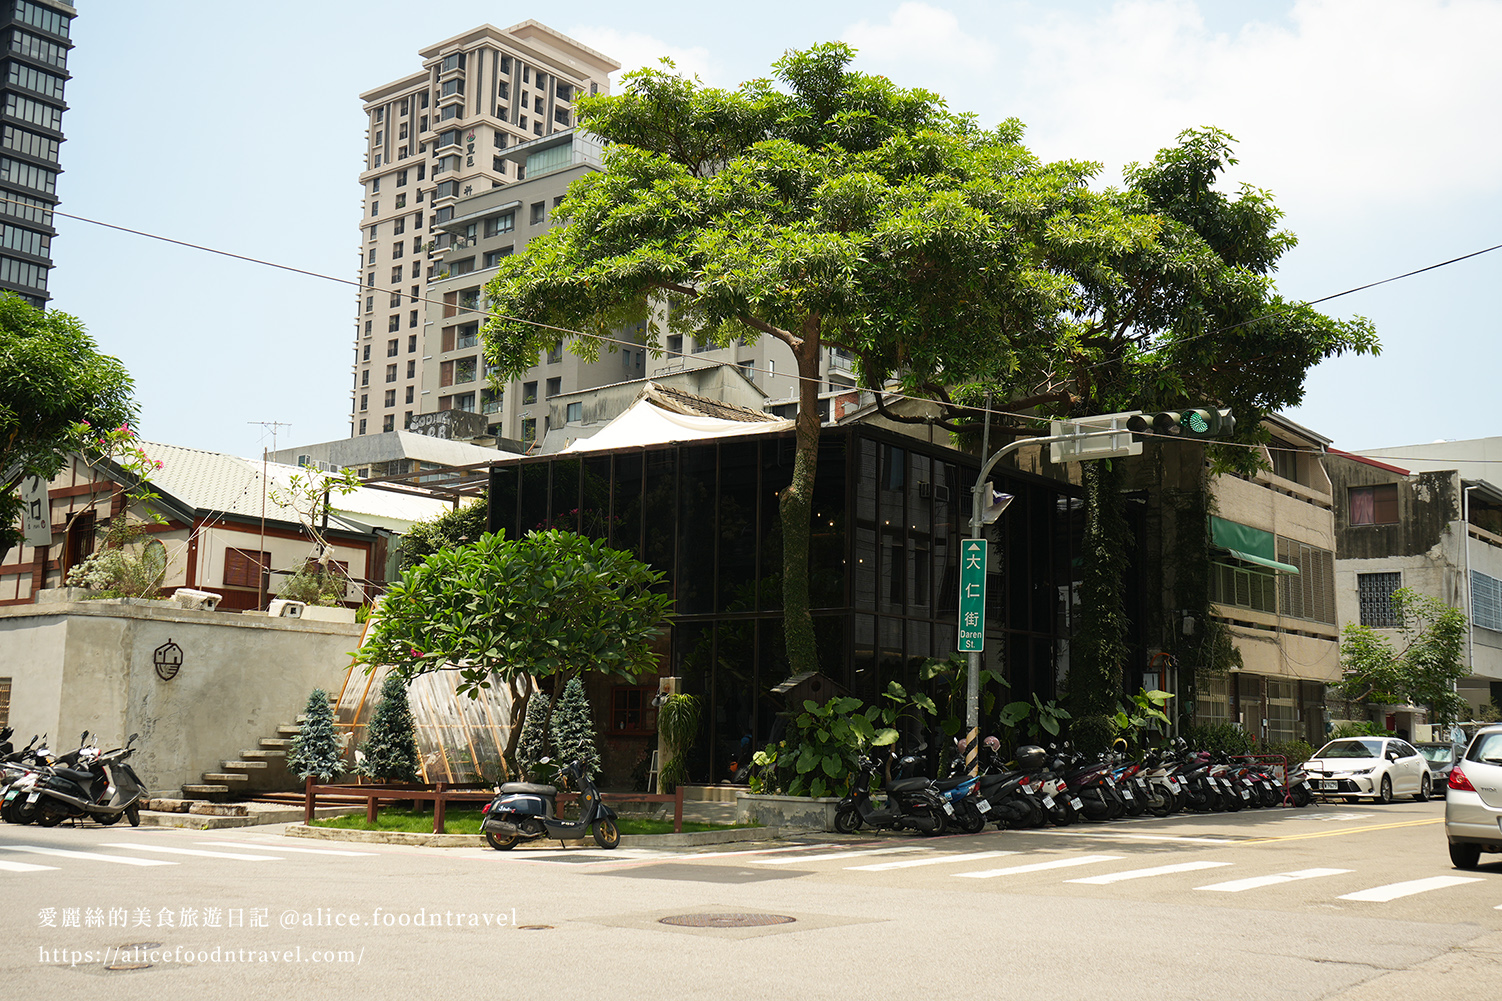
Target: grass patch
{"x": 462, "y": 821}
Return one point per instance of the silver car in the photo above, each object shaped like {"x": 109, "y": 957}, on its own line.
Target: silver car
{"x": 1473, "y": 806}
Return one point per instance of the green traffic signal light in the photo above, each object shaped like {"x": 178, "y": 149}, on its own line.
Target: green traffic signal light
{"x": 1194, "y": 423}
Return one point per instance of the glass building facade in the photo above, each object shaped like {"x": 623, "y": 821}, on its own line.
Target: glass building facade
{"x": 889, "y": 513}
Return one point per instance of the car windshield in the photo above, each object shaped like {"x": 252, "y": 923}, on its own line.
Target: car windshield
{"x": 1351, "y": 749}
{"x": 1487, "y": 747}
{"x": 1439, "y": 754}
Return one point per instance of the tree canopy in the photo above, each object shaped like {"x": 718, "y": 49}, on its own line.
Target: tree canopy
{"x": 54, "y": 384}
{"x": 829, "y": 208}
{"x": 549, "y": 603}
{"x": 1424, "y": 672}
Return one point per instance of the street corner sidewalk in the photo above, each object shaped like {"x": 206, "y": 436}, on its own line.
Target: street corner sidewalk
{"x": 687, "y": 839}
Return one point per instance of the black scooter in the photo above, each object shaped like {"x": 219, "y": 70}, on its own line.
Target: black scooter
{"x": 103, "y": 788}
{"x": 911, "y": 804}
{"x": 525, "y": 811}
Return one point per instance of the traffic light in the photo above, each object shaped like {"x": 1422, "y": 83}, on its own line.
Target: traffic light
{"x": 1195, "y": 423}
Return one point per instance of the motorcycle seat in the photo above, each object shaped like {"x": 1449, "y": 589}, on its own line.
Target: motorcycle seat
{"x": 907, "y": 785}
{"x": 82, "y": 778}
{"x": 529, "y": 787}
{"x": 944, "y": 785}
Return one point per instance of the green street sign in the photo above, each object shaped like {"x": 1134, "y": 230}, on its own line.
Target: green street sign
{"x": 972, "y": 595}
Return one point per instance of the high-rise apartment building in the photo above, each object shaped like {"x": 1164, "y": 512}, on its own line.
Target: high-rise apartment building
{"x": 35, "y": 71}
{"x": 435, "y": 137}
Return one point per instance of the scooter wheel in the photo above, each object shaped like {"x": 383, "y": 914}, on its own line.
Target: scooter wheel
{"x": 970, "y": 819}
{"x": 847, "y": 821}
{"x": 502, "y": 844}
{"x": 607, "y": 835}
{"x": 133, "y": 814}
{"x": 107, "y": 819}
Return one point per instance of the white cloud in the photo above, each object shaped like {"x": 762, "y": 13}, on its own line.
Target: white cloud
{"x": 1344, "y": 101}
{"x": 917, "y": 33}
{"x": 634, "y": 50}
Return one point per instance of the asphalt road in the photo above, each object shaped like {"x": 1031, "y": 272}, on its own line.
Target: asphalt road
{"x": 1335, "y": 901}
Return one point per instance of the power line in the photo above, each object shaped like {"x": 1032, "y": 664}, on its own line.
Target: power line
{"x": 370, "y": 289}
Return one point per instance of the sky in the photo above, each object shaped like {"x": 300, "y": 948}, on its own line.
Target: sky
{"x": 239, "y": 128}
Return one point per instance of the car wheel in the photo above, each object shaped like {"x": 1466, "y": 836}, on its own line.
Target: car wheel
{"x": 1384, "y": 792}
{"x": 1465, "y": 856}
{"x": 1424, "y": 787}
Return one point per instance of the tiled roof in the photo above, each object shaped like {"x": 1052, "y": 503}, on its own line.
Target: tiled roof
{"x": 690, "y": 403}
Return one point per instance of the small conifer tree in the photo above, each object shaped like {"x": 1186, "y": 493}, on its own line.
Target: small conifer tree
{"x": 390, "y": 747}
{"x": 315, "y": 751}
{"x": 574, "y": 730}
{"x": 533, "y": 742}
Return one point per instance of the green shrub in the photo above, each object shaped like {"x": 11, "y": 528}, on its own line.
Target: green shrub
{"x": 1092, "y": 734}
{"x": 1219, "y": 738}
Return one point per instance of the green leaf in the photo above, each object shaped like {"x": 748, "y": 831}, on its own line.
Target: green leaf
{"x": 884, "y": 737}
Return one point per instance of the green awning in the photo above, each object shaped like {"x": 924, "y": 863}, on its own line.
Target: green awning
{"x": 1270, "y": 564}
{"x": 1247, "y": 543}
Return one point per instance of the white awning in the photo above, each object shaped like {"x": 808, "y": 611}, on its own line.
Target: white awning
{"x": 644, "y": 423}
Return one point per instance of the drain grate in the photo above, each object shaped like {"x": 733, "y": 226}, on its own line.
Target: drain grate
{"x": 726, "y": 920}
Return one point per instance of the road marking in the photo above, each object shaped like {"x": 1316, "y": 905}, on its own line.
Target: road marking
{"x": 1113, "y": 835}
{"x": 165, "y": 850}
{"x": 94, "y": 856}
{"x": 789, "y": 860}
{"x": 1162, "y": 870}
{"x": 22, "y": 867}
{"x": 1393, "y": 891}
{"x": 1343, "y": 830}
{"x": 1237, "y": 885}
{"x": 936, "y": 860}
{"x": 1039, "y": 866}
{"x": 282, "y": 848}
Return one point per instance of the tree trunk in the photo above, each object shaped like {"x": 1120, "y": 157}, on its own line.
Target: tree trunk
{"x": 796, "y": 507}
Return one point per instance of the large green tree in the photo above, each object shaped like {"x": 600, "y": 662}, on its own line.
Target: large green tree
{"x": 54, "y": 383}
{"x": 1424, "y": 672}
{"x": 1190, "y": 317}
{"x": 825, "y": 208}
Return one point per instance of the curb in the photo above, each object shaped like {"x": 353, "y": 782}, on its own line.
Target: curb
{"x": 686, "y": 839}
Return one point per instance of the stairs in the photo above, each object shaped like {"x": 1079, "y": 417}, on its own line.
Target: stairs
{"x": 260, "y": 769}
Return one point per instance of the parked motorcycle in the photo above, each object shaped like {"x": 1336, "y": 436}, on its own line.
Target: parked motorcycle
{"x": 526, "y": 811}
{"x": 95, "y": 786}
{"x": 912, "y": 804}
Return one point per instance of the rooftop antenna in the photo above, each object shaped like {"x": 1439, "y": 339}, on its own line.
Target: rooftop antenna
{"x": 268, "y": 427}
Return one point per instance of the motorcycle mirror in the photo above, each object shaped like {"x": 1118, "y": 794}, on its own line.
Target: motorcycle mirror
{"x": 132, "y": 739}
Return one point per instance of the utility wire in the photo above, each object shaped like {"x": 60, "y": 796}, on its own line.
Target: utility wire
{"x": 371, "y": 289}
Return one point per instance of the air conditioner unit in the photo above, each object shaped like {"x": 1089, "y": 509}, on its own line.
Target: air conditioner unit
{"x": 187, "y": 597}
{"x": 286, "y": 609}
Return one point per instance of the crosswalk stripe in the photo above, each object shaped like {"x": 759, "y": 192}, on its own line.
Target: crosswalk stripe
{"x": 1254, "y": 882}
{"x": 936, "y": 860}
{"x": 282, "y": 848}
{"x": 1039, "y": 866}
{"x": 791, "y": 859}
{"x": 165, "y": 850}
{"x": 23, "y": 866}
{"x": 1161, "y": 870}
{"x": 93, "y": 856}
{"x": 1392, "y": 891}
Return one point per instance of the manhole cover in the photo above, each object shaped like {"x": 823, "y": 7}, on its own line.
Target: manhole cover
{"x": 726, "y": 920}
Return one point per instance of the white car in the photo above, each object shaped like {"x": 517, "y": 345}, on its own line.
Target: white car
{"x": 1375, "y": 767}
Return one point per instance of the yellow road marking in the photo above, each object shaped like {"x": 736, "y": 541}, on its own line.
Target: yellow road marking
{"x": 1343, "y": 830}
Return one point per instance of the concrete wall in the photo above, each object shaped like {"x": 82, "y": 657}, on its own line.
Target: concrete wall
{"x": 77, "y": 665}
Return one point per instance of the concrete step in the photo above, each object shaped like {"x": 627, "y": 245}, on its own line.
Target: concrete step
{"x": 242, "y": 766}
{"x": 263, "y": 754}
{"x": 224, "y": 777}
{"x": 198, "y": 791}
{"x": 274, "y": 743}
{"x": 289, "y": 729}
